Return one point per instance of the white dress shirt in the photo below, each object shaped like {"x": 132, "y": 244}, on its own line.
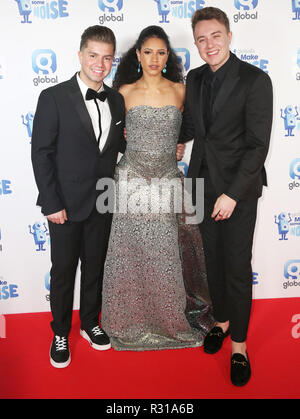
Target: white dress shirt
{"x": 92, "y": 110}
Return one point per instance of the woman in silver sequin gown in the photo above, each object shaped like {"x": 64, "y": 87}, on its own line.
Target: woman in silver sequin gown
{"x": 154, "y": 288}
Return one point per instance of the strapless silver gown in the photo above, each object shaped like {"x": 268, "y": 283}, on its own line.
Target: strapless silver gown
{"x": 155, "y": 293}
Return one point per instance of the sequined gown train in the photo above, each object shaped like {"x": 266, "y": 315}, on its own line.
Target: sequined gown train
{"x": 154, "y": 288}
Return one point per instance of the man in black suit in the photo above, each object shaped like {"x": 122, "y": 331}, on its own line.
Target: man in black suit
{"x": 77, "y": 135}
{"x": 228, "y": 112}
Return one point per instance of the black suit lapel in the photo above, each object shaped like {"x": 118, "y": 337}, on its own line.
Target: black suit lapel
{"x": 231, "y": 79}
{"x": 112, "y": 106}
{"x": 198, "y": 92}
{"x": 81, "y": 109}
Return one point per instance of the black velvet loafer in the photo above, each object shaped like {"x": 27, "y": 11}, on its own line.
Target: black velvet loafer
{"x": 240, "y": 370}
{"x": 214, "y": 339}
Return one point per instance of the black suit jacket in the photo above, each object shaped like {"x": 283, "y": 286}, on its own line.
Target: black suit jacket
{"x": 237, "y": 141}
{"x": 66, "y": 158}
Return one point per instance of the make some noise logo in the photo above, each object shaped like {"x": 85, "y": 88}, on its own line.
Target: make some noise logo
{"x": 246, "y": 10}
{"x": 291, "y": 272}
{"x": 45, "y": 66}
{"x": 288, "y": 225}
{"x": 180, "y": 9}
{"x": 112, "y": 11}
{"x": 251, "y": 57}
{"x": 42, "y": 9}
{"x": 295, "y": 174}
{"x": 8, "y": 290}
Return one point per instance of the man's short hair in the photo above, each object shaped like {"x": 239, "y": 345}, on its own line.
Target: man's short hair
{"x": 209, "y": 13}
{"x": 97, "y": 33}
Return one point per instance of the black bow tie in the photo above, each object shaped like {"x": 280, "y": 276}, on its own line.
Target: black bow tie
{"x": 92, "y": 94}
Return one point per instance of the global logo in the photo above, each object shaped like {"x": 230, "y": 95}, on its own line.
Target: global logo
{"x": 294, "y": 174}
{"x": 184, "y": 57}
{"x": 246, "y": 10}
{"x": 47, "y": 280}
{"x": 180, "y": 9}
{"x": 113, "y": 7}
{"x": 110, "y": 6}
{"x": 291, "y": 273}
{"x": 42, "y": 9}
{"x": 44, "y": 63}
{"x": 296, "y": 9}
{"x": 295, "y": 169}
{"x": 290, "y": 116}
{"x": 245, "y": 4}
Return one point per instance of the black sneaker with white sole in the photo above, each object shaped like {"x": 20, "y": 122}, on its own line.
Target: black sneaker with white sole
{"x": 97, "y": 337}
{"x": 59, "y": 352}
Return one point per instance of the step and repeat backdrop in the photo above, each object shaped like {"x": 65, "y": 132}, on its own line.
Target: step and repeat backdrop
{"x": 39, "y": 45}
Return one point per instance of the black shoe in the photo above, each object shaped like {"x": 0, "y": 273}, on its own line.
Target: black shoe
{"x": 240, "y": 369}
{"x": 59, "y": 352}
{"x": 214, "y": 339}
{"x": 97, "y": 338}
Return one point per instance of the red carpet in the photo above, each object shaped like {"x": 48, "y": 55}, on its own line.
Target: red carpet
{"x": 273, "y": 346}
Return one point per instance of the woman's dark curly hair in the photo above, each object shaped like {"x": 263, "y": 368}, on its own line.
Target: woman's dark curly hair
{"x": 127, "y": 71}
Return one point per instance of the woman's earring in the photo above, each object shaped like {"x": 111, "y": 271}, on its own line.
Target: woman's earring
{"x": 139, "y": 68}
{"x": 165, "y": 69}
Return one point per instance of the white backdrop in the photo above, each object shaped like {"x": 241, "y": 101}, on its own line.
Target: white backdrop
{"x": 39, "y": 44}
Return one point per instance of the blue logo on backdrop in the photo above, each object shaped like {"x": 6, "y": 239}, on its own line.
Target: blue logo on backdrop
{"x": 44, "y": 64}
{"x": 0, "y": 241}
{"x": 8, "y": 290}
{"x": 292, "y": 269}
{"x": 254, "y": 278}
{"x": 42, "y": 9}
{"x": 40, "y": 233}
{"x": 44, "y": 61}
{"x": 291, "y": 272}
{"x": 113, "y": 7}
{"x": 288, "y": 224}
{"x": 180, "y": 9}
{"x": 245, "y": 4}
{"x": 246, "y": 10}
{"x": 184, "y": 57}
{"x": 5, "y": 187}
{"x": 289, "y": 115}
{"x": 116, "y": 62}
{"x": 296, "y": 9}
{"x": 250, "y": 56}
{"x": 295, "y": 169}
{"x": 47, "y": 279}
{"x": 110, "y": 6}
{"x": 27, "y": 120}
{"x": 294, "y": 174}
